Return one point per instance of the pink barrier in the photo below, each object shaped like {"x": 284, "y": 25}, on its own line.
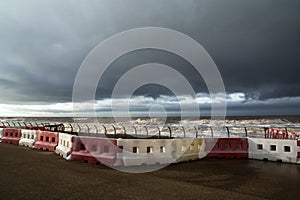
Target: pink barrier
{"x": 226, "y": 147}
{"x": 11, "y": 135}
{"x": 95, "y": 150}
{"x": 46, "y": 141}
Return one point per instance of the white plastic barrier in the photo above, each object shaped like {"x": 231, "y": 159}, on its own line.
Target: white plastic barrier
{"x": 65, "y": 143}
{"x": 1, "y": 133}
{"x": 188, "y": 149}
{"x": 145, "y": 151}
{"x": 273, "y": 150}
{"x": 28, "y": 138}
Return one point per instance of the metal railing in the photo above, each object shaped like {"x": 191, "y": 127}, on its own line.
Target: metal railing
{"x": 150, "y": 131}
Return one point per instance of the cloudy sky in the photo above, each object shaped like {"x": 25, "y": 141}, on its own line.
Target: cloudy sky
{"x": 255, "y": 45}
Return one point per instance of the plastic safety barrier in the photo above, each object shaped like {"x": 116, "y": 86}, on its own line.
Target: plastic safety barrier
{"x": 271, "y": 133}
{"x": 1, "y": 133}
{"x": 65, "y": 144}
{"x": 188, "y": 149}
{"x": 46, "y": 141}
{"x": 145, "y": 151}
{"x": 95, "y": 150}
{"x": 273, "y": 150}
{"x": 11, "y": 135}
{"x": 28, "y": 138}
{"x": 227, "y": 147}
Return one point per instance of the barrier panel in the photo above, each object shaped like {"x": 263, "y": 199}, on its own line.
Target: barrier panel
{"x": 28, "y": 138}
{"x": 188, "y": 149}
{"x": 65, "y": 144}
{"x": 226, "y": 147}
{"x": 11, "y": 135}
{"x": 46, "y": 141}
{"x": 273, "y": 150}
{"x": 145, "y": 151}
{"x": 1, "y": 133}
{"x": 95, "y": 150}
{"x": 271, "y": 133}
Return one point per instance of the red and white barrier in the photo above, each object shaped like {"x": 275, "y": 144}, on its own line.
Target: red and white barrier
{"x": 272, "y": 133}
{"x": 95, "y": 150}
{"x": 46, "y": 141}
{"x": 292, "y": 135}
{"x": 278, "y": 145}
{"x": 28, "y": 138}
{"x": 65, "y": 144}
{"x": 11, "y": 135}
{"x": 188, "y": 149}
{"x": 145, "y": 151}
{"x": 273, "y": 150}
{"x": 226, "y": 147}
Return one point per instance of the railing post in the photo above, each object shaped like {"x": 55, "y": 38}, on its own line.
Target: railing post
{"x": 212, "y": 132}
{"x": 246, "y": 131}
{"x": 146, "y": 130}
{"x": 124, "y": 131}
{"x": 135, "y": 131}
{"x": 115, "y": 130}
{"x": 96, "y": 129}
{"x": 88, "y": 128}
{"x": 196, "y": 131}
{"x": 228, "y": 134}
{"x": 71, "y": 127}
{"x": 158, "y": 132}
{"x": 170, "y": 131}
{"x": 78, "y": 127}
{"x": 105, "y": 130}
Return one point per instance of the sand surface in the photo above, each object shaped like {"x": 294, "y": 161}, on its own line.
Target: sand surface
{"x": 32, "y": 174}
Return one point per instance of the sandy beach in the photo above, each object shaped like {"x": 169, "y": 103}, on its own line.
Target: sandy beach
{"x": 32, "y": 174}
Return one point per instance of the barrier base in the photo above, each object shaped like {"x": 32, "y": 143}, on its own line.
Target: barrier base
{"x": 14, "y": 141}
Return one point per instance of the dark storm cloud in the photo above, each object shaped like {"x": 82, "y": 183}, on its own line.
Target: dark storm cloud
{"x": 254, "y": 43}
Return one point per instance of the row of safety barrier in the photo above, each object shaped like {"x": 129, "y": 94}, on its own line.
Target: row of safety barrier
{"x": 280, "y": 134}
{"x": 132, "y": 152}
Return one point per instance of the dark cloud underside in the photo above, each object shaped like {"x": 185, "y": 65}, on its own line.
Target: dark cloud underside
{"x": 254, "y": 43}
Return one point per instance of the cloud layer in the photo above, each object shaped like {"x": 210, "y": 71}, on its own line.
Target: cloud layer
{"x": 254, "y": 43}
{"x": 141, "y": 106}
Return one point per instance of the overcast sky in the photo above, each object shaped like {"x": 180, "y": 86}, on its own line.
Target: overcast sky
{"x": 254, "y": 43}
